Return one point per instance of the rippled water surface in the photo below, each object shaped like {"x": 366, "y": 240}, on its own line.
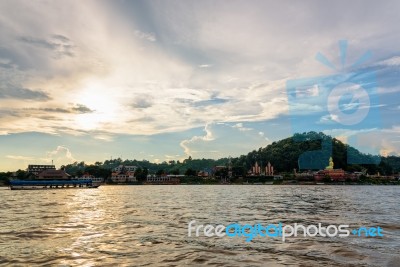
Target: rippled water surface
{"x": 147, "y": 225}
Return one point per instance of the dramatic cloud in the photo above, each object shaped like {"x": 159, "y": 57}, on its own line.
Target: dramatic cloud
{"x": 61, "y": 155}
{"x": 172, "y": 70}
{"x": 120, "y": 68}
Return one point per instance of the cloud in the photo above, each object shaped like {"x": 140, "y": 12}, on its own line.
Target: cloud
{"x": 142, "y": 102}
{"x": 7, "y": 113}
{"x": 75, "y": 109}
{"x": 209, "y": 102}
{"x": 59, "y": 44}
{"x": 61, "y": 38}
{"x": 222, "y": 139}
{"x": 168, "y": 67}
{"x": 104, "y": 137}
{"x": 61, "y": 155}
{"x": 262, "y": 134}
{"x": 15, "y": 157}
{"x": 374, "y": 141}
{"x": 147, "y": 36}
{"x": 6, "y": 63}
{"x": 38, "y": 42}
{"x": 390, "y": 62}
{"x": 81, "y": 109}
{"x": 206, "y": 138}
{"x": 307, "y": 91}
{"x": 16, "y": 92}
{"x": 305, "y": 109}
{"x": 169, "y": 157}
{"x": 328, "y": 119}
{"x": 240, "y": 127}
{"x": 56, "y": 110}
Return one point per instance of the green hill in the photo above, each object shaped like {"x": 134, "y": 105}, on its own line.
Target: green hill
{"x": 312, "y": 151}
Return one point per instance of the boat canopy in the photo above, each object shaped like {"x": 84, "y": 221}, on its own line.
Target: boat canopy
{"x": 50, "y": 182}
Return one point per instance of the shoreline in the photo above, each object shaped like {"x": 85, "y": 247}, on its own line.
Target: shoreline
{"x": 291, "y": 184}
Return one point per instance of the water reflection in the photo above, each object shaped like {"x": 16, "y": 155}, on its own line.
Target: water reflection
{"x": 139, "y": 225}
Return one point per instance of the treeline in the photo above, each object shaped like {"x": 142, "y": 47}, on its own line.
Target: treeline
{"x": 189, "y": 167}
{"x": 309, "y": 150}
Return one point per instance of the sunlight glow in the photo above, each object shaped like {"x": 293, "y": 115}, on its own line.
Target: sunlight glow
{"x": 103, "y": 107}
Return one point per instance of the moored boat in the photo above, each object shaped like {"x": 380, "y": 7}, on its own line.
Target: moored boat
{"x": 96, "y": 181}
{"x": 51, "y": 184}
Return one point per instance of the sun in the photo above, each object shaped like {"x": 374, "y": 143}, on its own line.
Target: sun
{"x": 103, "y": 105}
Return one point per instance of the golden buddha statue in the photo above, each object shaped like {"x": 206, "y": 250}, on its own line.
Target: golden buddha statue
{"x": 330, "y": 167}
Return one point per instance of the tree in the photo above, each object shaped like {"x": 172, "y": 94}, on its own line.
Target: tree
{"x": 79, "y": 173}
{"x": 160, "y": 172}
{"x": 190, "y": 172}
{"x": 327, "y": 179}
{"x": 175, "y": 172}
{"x": 238, "y": 171}
{"x": 364, "y": 179}
{"x": 5, "y": 177}
{"x": 222, "y": 173}
{"x": 188, "y": 160}
{"x": 21, "y": 175}
{"x": 141, "y": 174}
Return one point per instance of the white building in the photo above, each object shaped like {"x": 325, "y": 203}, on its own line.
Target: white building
{"x": 119, "y": 177}
{"x": 36, "y": 169}
{"x": 163, "y": 179}
{"x": 124, "y": 174}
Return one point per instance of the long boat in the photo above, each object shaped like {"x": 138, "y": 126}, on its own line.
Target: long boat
{"x": 52, "y": 184}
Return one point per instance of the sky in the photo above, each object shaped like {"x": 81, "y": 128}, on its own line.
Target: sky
{"x": 165, "y": 80}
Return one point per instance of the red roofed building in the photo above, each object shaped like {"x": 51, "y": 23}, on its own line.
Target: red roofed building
{"x": 51, "y": 174}
{"x": 336, "y": 175}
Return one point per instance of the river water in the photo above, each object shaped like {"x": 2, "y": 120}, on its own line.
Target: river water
{"x": 148, "y": 225}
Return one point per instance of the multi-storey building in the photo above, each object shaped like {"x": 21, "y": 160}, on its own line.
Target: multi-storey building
{"x": 124, "y": 174}
{"x": 36, "y": 169}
